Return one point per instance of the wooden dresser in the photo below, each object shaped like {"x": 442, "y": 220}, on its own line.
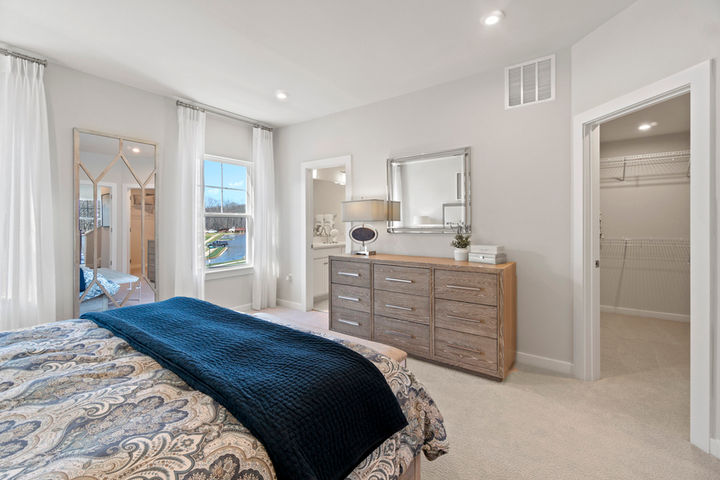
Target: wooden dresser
{"x": 460, "y": 314}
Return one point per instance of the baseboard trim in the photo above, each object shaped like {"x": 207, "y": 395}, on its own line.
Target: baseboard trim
{"x": 289, "y": 304}
{"x": 242, "y": 308}
{"x": 675, "y": 317}
{"x": 715, "y": 447}
{"x": 545, "y": 363}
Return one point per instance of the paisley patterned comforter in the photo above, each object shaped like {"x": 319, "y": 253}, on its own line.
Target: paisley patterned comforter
{"x": 76, "y": 402}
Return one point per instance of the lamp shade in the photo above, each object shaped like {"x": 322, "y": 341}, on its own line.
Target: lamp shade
{"x": 370, "y": 210}
{"x": 393, "y": 209}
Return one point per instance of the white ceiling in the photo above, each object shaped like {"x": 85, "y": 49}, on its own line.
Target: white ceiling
{"x": 671, "y": 116}
{"x": 329, "y": 55}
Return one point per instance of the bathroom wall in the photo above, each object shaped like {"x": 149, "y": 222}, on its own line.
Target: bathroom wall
{"x": 327, "y": 198}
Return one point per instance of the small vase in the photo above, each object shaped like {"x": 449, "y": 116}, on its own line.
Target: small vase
{"x": 461, "y": 254}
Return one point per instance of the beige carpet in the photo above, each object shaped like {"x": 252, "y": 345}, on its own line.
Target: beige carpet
{"x": 633, "y": 424}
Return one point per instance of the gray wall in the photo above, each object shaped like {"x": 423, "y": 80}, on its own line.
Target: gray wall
{"x": 520, "y": 182}
{"x": 76, "y": 99}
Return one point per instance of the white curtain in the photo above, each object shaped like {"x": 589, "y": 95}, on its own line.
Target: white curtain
{"x": 264, "y": 292}
{"x": 189, "y": 225}
{"x": 27, "y": 258}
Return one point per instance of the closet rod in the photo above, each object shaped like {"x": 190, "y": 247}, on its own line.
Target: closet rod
{"x": 11, "y": 53}
{"x": 223, "y": 113}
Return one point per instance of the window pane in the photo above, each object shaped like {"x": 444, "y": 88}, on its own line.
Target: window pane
{"x": 234, "y": 176}
{"x": 225, "y": 241}
{"x": 234, "y": 201}
{"x": 212, "y": 173}
{"x": 212, "y": 199}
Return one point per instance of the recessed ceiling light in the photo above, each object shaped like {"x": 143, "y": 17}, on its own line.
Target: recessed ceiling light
{"x": 644, "y": 127}
{"x": 135, "y": 150}
{"x": 493, "y": 18}
{"x": 281, "y": 95}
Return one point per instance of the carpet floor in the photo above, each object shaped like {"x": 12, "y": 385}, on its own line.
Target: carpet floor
{"x": 631, "y": 424}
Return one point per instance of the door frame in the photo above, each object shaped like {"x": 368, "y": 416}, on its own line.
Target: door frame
{"x": 699, "y": 81}
{"x": 306, "y": 209}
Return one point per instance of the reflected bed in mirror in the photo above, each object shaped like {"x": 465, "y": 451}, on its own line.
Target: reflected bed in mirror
{"x": 115, "y": 221}
{"x": 433, "y": 191}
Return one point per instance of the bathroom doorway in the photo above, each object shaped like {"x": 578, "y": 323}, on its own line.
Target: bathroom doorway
{"x": 325, "y": 185}
{"x": 328, "y": 233}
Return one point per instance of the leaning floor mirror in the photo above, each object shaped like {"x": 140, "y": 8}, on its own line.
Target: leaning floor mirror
{"x": 433, "y": 192}
{"x": 115, "y": 219}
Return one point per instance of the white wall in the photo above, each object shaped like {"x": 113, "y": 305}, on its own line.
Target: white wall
{"x": 76, "y": 99}
{"x": 646, "y": 208}
{"x": 520, "y": 184}
{"x": 648, "y": 41}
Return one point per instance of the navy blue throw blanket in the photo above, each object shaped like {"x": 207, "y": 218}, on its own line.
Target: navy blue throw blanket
{"x": 318, "y": 407}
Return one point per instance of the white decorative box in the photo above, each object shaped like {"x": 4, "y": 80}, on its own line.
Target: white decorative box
{"x": 487, "y": 249}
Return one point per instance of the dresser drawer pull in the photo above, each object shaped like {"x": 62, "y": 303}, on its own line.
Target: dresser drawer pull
{"x": 348, "y": 322}
{"x": 400, "y": 334}
{"x": 398, "y": 307}
{"x": 399, "y": 280}
{"x": 349, "y": 274}
{"x": 350, "y": 299}
{"x": 464, "y": 319}
{"x": 460, "y": 287}
{"x": 467, "y": 349}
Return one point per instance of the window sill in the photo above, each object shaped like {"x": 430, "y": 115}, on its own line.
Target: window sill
{"x": 227, "y": 272}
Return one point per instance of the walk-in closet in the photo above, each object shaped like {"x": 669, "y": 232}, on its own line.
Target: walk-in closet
{"x": 645, "y": 256}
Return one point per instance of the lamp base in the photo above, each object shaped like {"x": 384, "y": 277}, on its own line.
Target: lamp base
{"x": 364, "y": 251}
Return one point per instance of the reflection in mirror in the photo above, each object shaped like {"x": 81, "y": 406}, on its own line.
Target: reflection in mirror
{"x": 433, "y": 191}
{"x": 114, "y": 180}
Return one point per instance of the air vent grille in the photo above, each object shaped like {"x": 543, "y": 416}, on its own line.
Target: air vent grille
{"x": 530, "y": 82}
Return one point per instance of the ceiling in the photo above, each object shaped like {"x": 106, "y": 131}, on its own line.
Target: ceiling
{"x": 671, "y": 116}
{"x": 329, "y": 55}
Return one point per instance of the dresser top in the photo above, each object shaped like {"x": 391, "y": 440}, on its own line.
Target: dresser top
{"x": 425, "y": 261}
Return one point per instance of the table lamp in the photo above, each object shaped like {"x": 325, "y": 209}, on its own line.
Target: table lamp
{"x": 367, "y": 210}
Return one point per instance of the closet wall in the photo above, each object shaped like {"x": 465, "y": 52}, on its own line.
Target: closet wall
{"x": 649, "y": 274}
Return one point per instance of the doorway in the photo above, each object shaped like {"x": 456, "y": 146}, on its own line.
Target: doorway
{"x": 697, "y": 81}
{"x": 644, "y": 223}
{"x": 325, "y": 184}
{"x": 328, "y": 229}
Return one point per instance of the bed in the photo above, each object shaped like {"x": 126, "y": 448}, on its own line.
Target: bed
{"x": 77, "y": 401}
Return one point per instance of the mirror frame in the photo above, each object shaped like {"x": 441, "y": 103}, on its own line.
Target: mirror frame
{"x": 465, "y": 152}
{"x": 76, "y": 213}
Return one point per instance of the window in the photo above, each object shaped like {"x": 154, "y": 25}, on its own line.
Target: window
{"x": 228, "y": 214}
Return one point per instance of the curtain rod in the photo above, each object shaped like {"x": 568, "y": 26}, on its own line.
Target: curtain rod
{"x": 223, "y": 113}
{"x": 10, "y": 53}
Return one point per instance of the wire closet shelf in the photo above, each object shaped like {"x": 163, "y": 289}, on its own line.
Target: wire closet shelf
{"x": 657, "y": 165}
{"x": 655, "y": 249}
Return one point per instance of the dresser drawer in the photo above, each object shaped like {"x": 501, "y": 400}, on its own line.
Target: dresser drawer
{"x": 466, "y": 317}
{"x": 402, "y": 305}
{"x": 409, "y": 336}
{"x": 466, "y": 286}
{"x": 412, "y": 280}
{"x": 472, "y": 351}
{"x": 350, "y": 273}
{"x": 351, "y": 322}
{"x": 352, "y": 298}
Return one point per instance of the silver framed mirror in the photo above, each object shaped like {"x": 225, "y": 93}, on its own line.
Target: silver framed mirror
{"x": 114, "y": 207}
{"x": 433, "y": 191}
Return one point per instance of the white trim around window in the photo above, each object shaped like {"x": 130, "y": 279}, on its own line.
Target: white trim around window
{"x": 246, "y": 268}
